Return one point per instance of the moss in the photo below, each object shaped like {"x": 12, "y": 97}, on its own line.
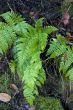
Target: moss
{"x": 48, "y": 103}
{"x": 4, "y": 106}
{"x": 5, "y": 88}
{"x": 5, "y": 83}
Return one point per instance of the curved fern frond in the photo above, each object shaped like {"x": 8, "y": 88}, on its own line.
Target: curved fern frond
{"x": 60, "y": 48}
{"x": 27, "y": 50}
{"x": 7, "y": 37}
{"x": 12, "y": 18}
{"x": 27, "y": 56}
{"x": 57, "y": 47}
{"x": 70, "y": 74}
{"x": 7, "y": 30}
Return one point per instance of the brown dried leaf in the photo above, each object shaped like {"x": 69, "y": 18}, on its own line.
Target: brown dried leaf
{"x": 5, "y": 97}
{"x": 14, "y": 87}
{"x": 69, "y": 36}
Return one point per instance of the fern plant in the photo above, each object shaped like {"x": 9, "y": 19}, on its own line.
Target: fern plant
{"x": 60, "y": 48}
{"x": 27, "y": 50}
{"x": 28, "y": 43}
{"x": 7, "y": 36}
{"x": 7, "y": 33}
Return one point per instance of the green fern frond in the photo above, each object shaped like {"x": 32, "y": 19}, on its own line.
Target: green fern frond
{"x": 57, "y": 47}
{"x": 12, "y": 66}
{"x": 7, "y": 37}
{"x": 50, "y": 29}
{"x": 60, "y": 48}
{"x": 70, "y": 74}
{"x": 38, "y": 24}
{"x": 7, "y": 30}
{"x": 28, "y": 42}
{"x": 27, "y": 50}
{"x": 12, "y": 18}
{"x": 29, "y": 64}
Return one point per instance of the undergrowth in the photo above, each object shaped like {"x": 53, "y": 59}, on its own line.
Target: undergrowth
{"x": 26, "y": 43}
{"x": 62, "y": 49}
{"x": 48, "y": 103}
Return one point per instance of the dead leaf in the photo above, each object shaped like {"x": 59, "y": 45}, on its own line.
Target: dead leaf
{"x": 66, "y": 18}
{"x": 5, "y": 97}
{"x": 69, "y": 36}
{"x": 14, "y": 88}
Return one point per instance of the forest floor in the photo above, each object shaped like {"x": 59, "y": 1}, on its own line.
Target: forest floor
{"x": 31, "y": 10}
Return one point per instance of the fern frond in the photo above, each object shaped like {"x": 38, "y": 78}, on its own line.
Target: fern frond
{"x": 27, "y": 50}
{"x": 70, "y": 74}
{"x": 50, "y": 29}
{"x": 12, "y": 66}
{"x": 8, "y": 30}
{"x": 28, "y": 66}
{"x": 7, "y": 37}
{"x": 60, "y": 48}
{"x": 57, "y": 47}
{"x": 12, "y": 18}
{"x": 66, "y": 60}
{"x": 38, "y": 24}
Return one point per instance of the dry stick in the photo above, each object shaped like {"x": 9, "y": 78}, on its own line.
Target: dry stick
{"x": 9, "y": 7}
{"x": 70, "y": 87}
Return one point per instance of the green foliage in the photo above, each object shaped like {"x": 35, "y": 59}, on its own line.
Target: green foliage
{"x": 5, "y": 83}
{"x": 7, "y": 37}
{"x": 4, "y": 106}
{"x": 7, "y": 31}
{"x": 47, "y": 103}
{"x": 12, "y": 66}
{"x": 28, "y": 43}
{"x": 27, "y": 50}
{"x": 12, "y": 18}
{"x": 60, "y": 48}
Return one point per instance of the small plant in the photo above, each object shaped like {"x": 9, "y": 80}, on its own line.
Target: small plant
{"x": 4, "y": 83}
{"x": 48, "y": 103}
{"x": 27, "y": 43}
{"x": 60, "y": 48}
